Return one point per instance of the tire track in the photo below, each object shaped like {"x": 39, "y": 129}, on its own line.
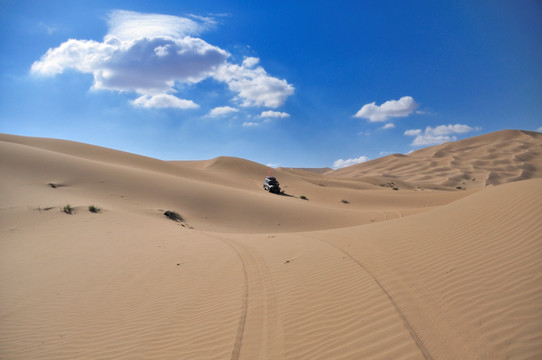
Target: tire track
{"x": 259, "y": 319}
{"x": 419, "y": 343}
{"x": 244, "y": 307}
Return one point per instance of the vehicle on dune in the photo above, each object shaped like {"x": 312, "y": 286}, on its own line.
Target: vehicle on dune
{"x": 271, "y": 184}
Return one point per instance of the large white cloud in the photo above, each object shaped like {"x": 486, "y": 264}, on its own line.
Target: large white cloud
{"x": 149, "y": 53}
{"x": 437, "y": 135}
{"x": 340, "y": 163}
{"x": 391, "y": 108}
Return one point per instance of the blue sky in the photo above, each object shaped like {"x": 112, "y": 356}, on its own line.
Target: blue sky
{"x": 285, "y": 83}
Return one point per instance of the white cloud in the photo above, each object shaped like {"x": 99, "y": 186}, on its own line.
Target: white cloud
{"x": 438, "y": 135}
{"x": 349, "y": 162}
{"x": 391, "y": 108}
{"x": 161, "y": 101}
{"x": 250, "y": 124}
{"x": 131, "y": 25}
{"x": 539, "y": 129}
{"x": 274, "y": 114}
{"x": 254, "y": 86}
{"x": 222, "y": 110}
{"x": 413, "y": 132}
{"x": 149, "y": 53}
{"x": 146, "y": 65}
{"x": 250, "y": 62}
{"x": 388, "y": 126}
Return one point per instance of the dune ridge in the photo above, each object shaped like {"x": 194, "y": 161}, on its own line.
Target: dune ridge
{"x": 356, "y": 271}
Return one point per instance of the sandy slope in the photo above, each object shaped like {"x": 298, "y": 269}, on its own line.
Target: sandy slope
{"x": 250, "y": 275}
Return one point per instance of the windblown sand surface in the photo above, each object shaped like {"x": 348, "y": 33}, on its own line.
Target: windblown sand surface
{"x": 357, "y": 271}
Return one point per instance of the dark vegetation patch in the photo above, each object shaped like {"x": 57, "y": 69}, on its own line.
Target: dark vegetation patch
{"x": 94, "y": 209}
{"x": 44, "y": 209}
{"x": 68, "y": 209}
{"x": 172, "y": 215}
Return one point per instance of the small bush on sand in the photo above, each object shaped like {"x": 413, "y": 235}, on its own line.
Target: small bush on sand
{"x": 94, "y": 209}
{"x": 67, "y": 209}
{"x": 172, "y": 215}
{"x": 345, "y": 201}
{"x": 303, "y": 197}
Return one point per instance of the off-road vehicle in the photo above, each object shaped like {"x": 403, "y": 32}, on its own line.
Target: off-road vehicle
{"x": 272, "y": 185}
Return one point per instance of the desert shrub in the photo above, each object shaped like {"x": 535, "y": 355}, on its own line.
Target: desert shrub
{"x": 94, "y": 209}
{"x": 345, "y": 201}
{"x": 303, "y": 197}
{"x": 172, "y": 215}
{"x": 67, "y": 209}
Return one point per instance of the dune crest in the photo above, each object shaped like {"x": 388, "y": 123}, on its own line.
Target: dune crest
{"x": 382, "y": 260}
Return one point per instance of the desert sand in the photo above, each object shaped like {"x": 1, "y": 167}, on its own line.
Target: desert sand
{"x": 432, "y": 255}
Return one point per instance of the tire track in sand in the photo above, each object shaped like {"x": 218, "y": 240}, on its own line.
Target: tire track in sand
{"x": 258, "y": 335}
{"x": 413, "y": 334}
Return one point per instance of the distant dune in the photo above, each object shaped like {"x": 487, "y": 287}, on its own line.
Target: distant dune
{"x": 490, "y": 159}
{"x": 431, "y": 255}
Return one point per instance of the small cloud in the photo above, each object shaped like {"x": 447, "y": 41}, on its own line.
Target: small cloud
{"x": 250, "y": 124}
{"x": 413, "y": 132}
{"x": 539, "y": 129}
{"x": 250, "y": 62}
{"x": 438, "y": 135}
{"x": 274, "y": 114}
{"x": 349, "y": 162}
{"x": 388, "y": 126}
{"x": 222, "y": 111}
{"x": 391, "y": 108}
{"x": 162, "y": 101}
{"x": 382, "y": 153}
{"x": 47, "y": 28}
{"x": 272, "y": 165}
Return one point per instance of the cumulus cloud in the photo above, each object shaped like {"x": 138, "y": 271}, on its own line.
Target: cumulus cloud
{"x": 274, "y": 114}
{"x": 149, "y": 53}
{"x": 349, "y": 162}
{"x": 222, "y": 110}
{"x": 539, "y": 129}
{"x": 438, "y": 135}
{"x": 253, "y": 85}
{"x": 161, "y": 101}
{"x": 391, "y": 108}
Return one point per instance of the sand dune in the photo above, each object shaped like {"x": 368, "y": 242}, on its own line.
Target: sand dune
{"x": 357, "y": 271}
{"x": 490, "y": 159}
